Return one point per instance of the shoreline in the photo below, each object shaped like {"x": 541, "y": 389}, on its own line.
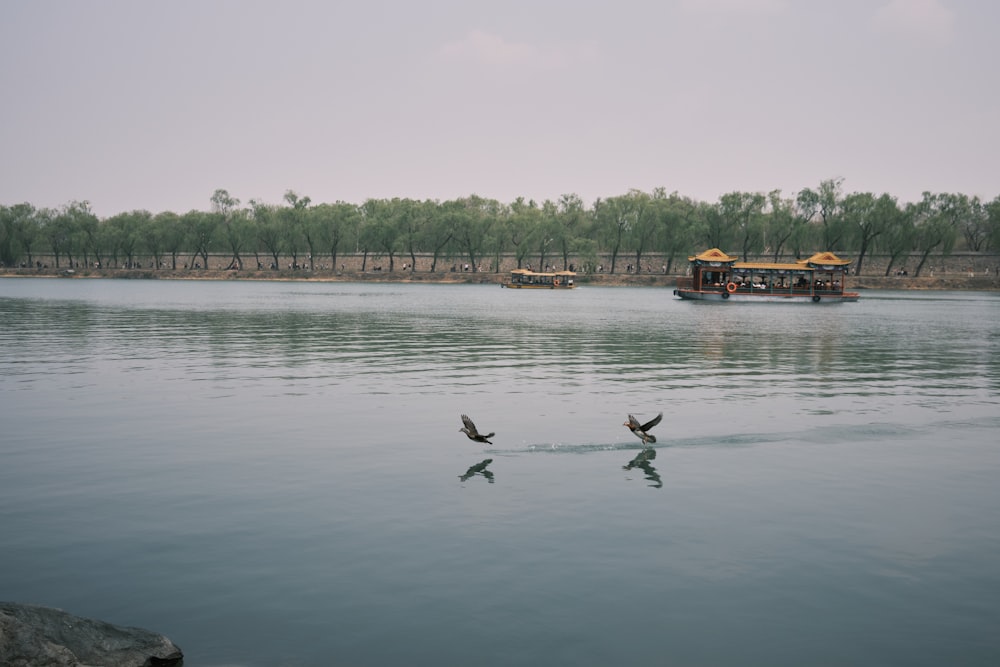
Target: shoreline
{"x": 947, "y": 281}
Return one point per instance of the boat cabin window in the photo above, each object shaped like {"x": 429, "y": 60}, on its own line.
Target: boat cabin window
{"x": 713, "y": 278}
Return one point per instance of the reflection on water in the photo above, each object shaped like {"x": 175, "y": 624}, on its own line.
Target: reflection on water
{"x": 219, "y": 461}
{"x": 478, "y": 469}
{"x": 642, "y": 461}
{"x": 358, "y": 340}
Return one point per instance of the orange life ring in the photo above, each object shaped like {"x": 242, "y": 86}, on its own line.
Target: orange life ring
{"x": 730, "y": 287}
{"x": 556, "y": 282}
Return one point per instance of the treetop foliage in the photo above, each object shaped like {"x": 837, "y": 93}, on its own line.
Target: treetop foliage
{"x": 616, "y": 230}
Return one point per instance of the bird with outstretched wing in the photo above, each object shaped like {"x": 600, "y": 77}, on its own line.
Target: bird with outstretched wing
{"x": 641, "y": 431}
{"x": 473, "y": 433}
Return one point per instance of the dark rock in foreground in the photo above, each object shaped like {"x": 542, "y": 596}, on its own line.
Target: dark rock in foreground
{"x": 33, "y": 636}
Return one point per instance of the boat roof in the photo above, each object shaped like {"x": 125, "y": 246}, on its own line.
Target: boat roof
{"x": 714, "y": 255}
{"x": 827, "y": 259}
{"x": 777, "y": 266}
{"x": 544, "y": 273}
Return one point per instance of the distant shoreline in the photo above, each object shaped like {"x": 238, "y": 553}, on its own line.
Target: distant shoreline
{"x": 945, "y": 281}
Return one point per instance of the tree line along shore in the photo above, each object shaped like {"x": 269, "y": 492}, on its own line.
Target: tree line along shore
{"x": 636, "y": 233}
{"x": 963, "y": 271}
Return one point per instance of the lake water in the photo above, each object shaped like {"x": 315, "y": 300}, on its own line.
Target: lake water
{"x": 272, "y": 473}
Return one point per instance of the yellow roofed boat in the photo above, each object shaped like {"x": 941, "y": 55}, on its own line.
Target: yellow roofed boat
{"x": 716, "y": 276}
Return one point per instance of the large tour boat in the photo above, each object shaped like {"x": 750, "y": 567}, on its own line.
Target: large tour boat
{"x": 525, "y": 279}
{"x": 716, "y": 276}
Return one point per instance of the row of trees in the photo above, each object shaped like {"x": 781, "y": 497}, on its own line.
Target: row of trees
{"x": 483, "y": 231}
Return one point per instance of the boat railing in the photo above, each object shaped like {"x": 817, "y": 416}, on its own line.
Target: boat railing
{"x": 687, "y": 283}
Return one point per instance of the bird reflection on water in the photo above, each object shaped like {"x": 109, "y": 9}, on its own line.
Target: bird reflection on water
{"x": 642, "y": 461}
{"x": 478, "y": 469}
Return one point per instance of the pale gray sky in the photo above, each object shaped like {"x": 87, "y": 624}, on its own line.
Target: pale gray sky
{"x": 154, "y": 105}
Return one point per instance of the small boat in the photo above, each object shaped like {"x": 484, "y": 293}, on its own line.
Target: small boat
{"x": 716, "y": 276}
{"x": 525, "y": 279}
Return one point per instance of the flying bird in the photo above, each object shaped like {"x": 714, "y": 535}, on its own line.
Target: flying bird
{"x": 642, "y": 430}
{"x": 470, "y": 430}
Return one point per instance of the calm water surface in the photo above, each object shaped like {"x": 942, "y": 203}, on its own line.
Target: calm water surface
{"x": 272, "y": 473}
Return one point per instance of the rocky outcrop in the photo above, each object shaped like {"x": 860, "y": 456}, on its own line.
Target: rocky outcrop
{"x": 33, "y": 636}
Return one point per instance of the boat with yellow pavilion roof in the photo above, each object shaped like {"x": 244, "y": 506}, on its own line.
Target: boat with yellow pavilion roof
{"x": 716, "y": 276}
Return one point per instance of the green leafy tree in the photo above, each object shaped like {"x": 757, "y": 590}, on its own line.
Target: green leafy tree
{"x": 712, "y": 226}
{"x": 120, "y": 234}
{"x": 29, "y": 228}
{"x": 438, "y": 233}
{"x": 524, "y": 218}
{"x": 268, "y": 230}
{"x": 154, "y": 236}
{"x": 674, "y": 217}
{"x": 339, "y": 223}
{"x": 862, "y": 214}
{"x": 380, "y": 233}
{"x": 200, "y": 229}
{"x": 615, "y": 217}
{"x": 8, "y": 238}
{"x": 976, "y": 228}
{"x": 19, "y": 228}
{"x": 897, "y": 240}
{"x": 132, "y": 235}
{"x": 644, "y": 232}
{"x": 934, "y": 228}
{"x": 411, "y": 222}
{"x": 174, "y": 236}
{"x": 93, "y": 239}
{"x": 474, "y": 218}
{"x": 54, "y": 231}
{"x": 824, "y": 205}
{"x": 498, "y": 242}
{"x": 744, "y": 213}
{"x": 109, "y": 240}
{"x": 586, "y": 251}
{"x": 966, "y": 215}
{"x": 992, "y": 210}
{"x": 232, "y": 225}
{"x": 64, "y": 230}
{"x": 784, "y": 224}
{"x": 363, "y": 237}
{"x": 544, "y": 235}
{"x": 299, "y": 229}
{"x": 573, "y": 221}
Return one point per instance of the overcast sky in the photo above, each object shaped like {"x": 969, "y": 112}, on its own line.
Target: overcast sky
{"x": 155, "y": 105}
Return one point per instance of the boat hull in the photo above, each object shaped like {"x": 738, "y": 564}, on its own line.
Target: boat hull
{"x": 726, "y": 297}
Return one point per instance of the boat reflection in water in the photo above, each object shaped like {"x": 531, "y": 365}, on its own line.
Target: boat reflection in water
{"x": 642, "y": 461}
{"x": 478, "y": 469}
